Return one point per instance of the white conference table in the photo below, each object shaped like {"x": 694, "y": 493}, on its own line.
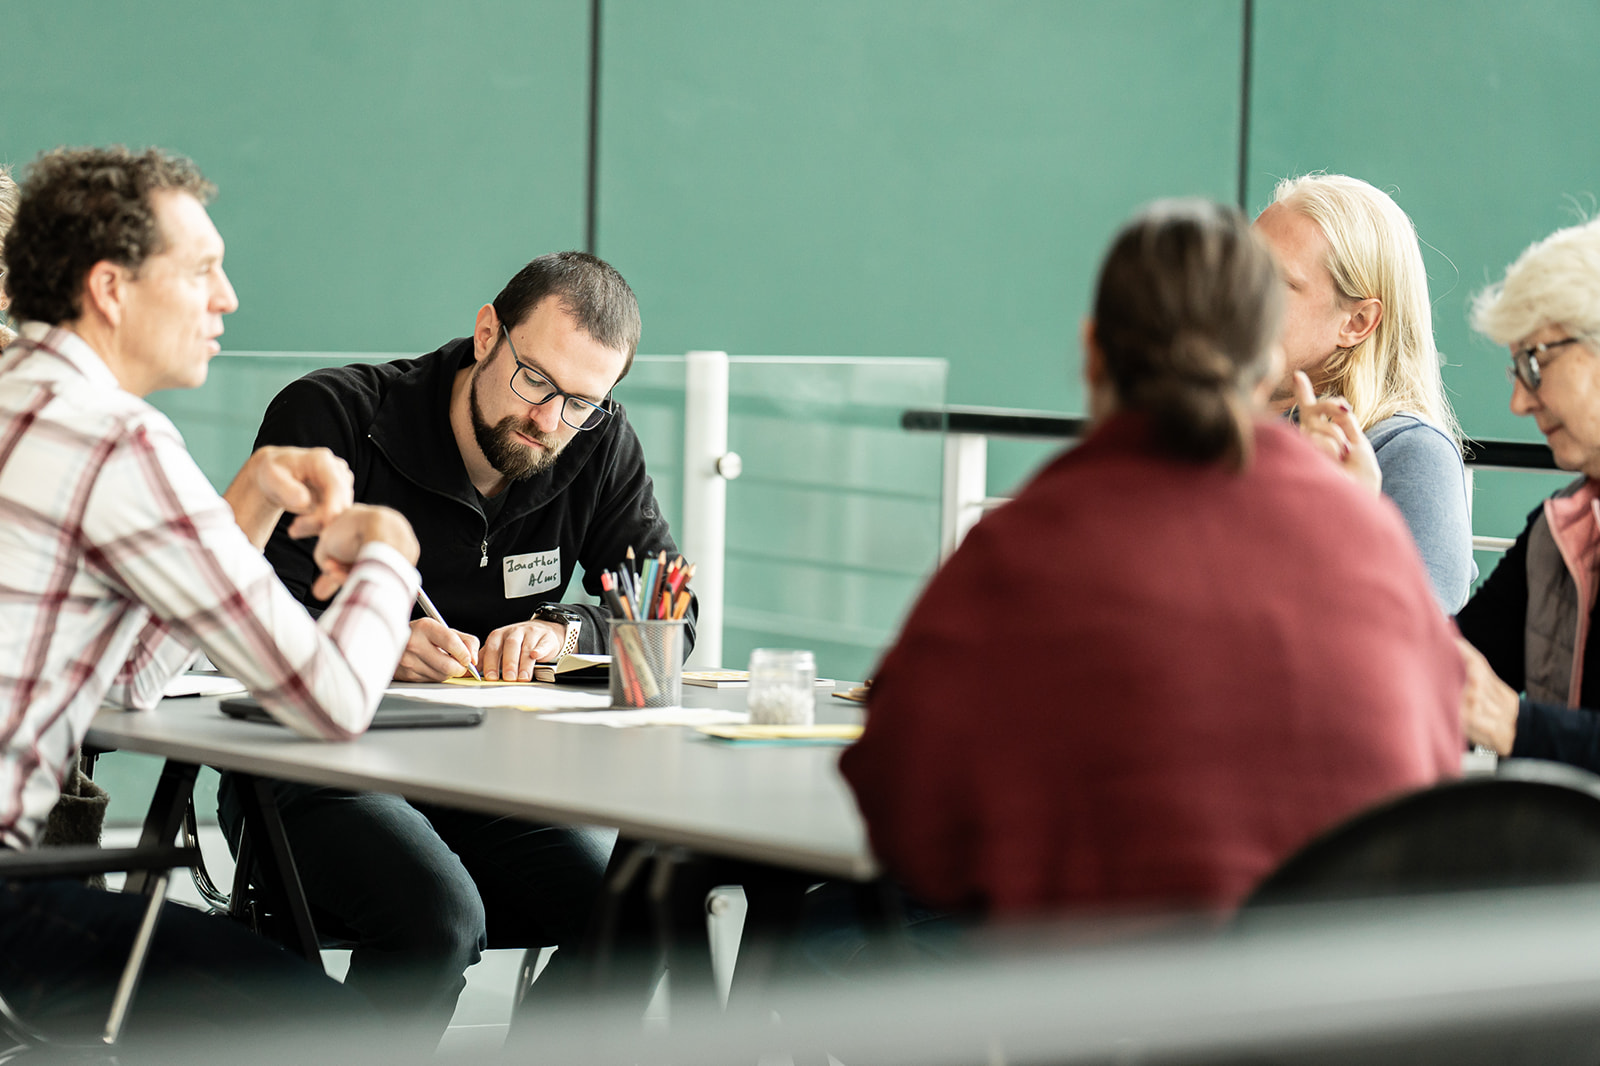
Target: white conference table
{"x": 780, "y": 805}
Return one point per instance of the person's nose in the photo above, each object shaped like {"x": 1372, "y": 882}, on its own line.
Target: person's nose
{"x": 224, "y": 300}
{"x": 547, "y": 416}
{"x": 1524, "y": 401}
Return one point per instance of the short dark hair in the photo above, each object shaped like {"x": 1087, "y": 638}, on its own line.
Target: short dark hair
{"x": 80, "y": 206}
{"x": 590, "y": 290}
{"x": 1186, "y": 313}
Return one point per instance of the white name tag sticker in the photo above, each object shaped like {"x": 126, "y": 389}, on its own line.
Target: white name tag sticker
{"x": 532, "y": 573}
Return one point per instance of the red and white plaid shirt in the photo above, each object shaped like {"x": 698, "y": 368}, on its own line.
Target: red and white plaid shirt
{"x": 118, "y": 561}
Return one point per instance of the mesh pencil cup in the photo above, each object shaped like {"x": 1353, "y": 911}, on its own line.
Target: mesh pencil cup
{"x": 646, "y": 663}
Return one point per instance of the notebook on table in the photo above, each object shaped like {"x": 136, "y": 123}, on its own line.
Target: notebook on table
{"x": 394, "y": 712}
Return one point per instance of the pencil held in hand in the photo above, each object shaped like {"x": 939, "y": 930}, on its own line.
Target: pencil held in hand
{"x": 460, "y": 653}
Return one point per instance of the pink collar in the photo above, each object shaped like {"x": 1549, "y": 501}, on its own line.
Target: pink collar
{"x": 1574, "y": 522}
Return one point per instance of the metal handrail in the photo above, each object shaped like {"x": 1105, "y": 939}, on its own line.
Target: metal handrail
{"x": 1051, "y": 425}
{"x": 967, "y": 430}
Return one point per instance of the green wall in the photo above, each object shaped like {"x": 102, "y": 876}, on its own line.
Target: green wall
{"x": 383, "y": 167}
{"x": 902, "y": 177}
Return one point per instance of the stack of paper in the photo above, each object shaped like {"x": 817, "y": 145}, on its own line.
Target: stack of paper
{"x": 652, "y": 716}
{"x": 202, "y": 685}
{"x": 526, "y": 697}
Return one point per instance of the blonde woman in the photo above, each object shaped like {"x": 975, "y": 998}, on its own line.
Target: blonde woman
{"x": 1359, "y": 326}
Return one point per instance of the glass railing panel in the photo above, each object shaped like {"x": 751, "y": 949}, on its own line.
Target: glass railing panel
{"x": 833, "y": 526}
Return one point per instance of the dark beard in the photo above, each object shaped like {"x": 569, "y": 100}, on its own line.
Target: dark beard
{"x": 512, "y": 459}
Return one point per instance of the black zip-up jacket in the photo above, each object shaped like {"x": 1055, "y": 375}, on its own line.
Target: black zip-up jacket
{"x": 391, "y": 423}
{"x": 1494, "y": 622}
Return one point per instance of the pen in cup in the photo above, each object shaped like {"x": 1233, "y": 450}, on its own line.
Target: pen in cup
{"x": 433, "y": 612}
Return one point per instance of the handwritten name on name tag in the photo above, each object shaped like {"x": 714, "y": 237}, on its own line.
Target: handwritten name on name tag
{"x": 532, "y": 573}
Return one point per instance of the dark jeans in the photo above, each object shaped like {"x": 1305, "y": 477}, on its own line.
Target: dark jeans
{"x": 208, "y": 981}
{"x": 422, "y": 890}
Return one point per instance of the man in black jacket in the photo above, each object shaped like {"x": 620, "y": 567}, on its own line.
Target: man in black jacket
{"x": 515, "y": 466}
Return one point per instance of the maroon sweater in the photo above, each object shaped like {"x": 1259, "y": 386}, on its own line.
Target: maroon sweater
{"x": 1144, "y": 683}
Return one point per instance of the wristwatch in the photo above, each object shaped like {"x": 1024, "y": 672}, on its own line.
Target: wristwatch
{"x": 555, "y": 612}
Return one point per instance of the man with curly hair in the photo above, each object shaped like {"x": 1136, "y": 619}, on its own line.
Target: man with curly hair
{"x": 8, "y": 210}
{"x": 122, "y": 563}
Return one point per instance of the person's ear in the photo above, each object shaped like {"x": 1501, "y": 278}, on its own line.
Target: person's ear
{"x": 1358, "y": 325}
{"x": 486, "y": 333}
{"x": 1094, "y": 358}
{"x": 105, "y": 291}
{"x": 1102, "y": 393}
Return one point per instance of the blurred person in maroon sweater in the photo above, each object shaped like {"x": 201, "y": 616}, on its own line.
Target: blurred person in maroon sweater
{"x": 1189, "y": 645}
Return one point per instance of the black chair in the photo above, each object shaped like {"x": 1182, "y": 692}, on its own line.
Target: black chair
{"x": 1533, "y": 823}
{"x": 149, "y": 867}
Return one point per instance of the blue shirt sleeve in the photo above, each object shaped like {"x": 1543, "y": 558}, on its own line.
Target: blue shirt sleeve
{"x": 1424, "y": 476}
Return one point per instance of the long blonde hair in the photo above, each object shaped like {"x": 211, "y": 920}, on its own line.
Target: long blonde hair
{"x": 1373, "y": 253}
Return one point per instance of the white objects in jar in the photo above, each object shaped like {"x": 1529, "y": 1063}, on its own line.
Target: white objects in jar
{"x": 782, "y": 687}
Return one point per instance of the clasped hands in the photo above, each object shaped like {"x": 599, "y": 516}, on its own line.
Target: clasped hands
{"x": 316, "y": 487}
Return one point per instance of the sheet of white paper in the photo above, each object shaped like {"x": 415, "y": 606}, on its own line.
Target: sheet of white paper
{"x": 652, "y": 716}
{"x": 553, "y": 697}
{"x": 202, "y": 685}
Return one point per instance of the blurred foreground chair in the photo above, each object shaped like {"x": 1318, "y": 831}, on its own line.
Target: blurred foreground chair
{"x": 149, "y": 869}
{"x": 1533, "y": 823}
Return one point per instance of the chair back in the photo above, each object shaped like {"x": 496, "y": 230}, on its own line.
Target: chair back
{"x": 1533, "y": 823}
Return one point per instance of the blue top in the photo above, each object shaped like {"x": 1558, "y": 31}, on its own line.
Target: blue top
{"x": 1424, "y": 476}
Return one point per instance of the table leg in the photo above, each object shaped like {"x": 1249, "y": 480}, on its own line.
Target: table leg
{"x": 161, "y": 824}
{"x": 629, "y": 860}
{"x": 165, "y": 817}
{"x": 272, "y": 868}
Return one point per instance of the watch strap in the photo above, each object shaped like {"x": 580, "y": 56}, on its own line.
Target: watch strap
{"x": 574, "y": 626}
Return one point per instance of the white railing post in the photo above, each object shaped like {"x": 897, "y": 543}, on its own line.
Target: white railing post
{"x": 966, "y": 477}
{"x": 707, "y": 468}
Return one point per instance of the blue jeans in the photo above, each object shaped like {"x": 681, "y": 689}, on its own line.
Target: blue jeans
{"x": 208, "y": 981}
{"x": 422, "y": 890}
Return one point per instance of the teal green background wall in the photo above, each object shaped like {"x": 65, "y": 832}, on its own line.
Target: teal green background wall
{"x": 901, "y": 177}
{"x": 922, "y": 179}
{"x": 383, "y": 167}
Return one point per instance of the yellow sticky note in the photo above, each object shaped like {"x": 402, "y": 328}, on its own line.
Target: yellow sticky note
{"x": 774, "y": 734}
{"x": 474, "y": 681}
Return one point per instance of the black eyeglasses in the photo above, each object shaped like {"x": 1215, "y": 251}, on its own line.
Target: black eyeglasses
{"x": 533, "y": 387}
{"x": 1525, "y": 361}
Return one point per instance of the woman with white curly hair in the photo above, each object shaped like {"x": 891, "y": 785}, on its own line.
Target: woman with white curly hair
{"x": 1533, "y": 668}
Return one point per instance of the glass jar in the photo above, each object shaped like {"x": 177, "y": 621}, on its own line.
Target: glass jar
{"x": 783, "y": 685}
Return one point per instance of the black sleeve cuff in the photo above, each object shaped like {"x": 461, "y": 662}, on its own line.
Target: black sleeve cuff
{"x": 1569, "y": 735}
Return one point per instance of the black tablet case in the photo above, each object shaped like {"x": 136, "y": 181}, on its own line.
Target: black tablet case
{"x": 394, "y": 712}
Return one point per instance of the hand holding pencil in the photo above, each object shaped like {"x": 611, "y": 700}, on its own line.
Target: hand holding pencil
{"x": 434, "y": 651}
